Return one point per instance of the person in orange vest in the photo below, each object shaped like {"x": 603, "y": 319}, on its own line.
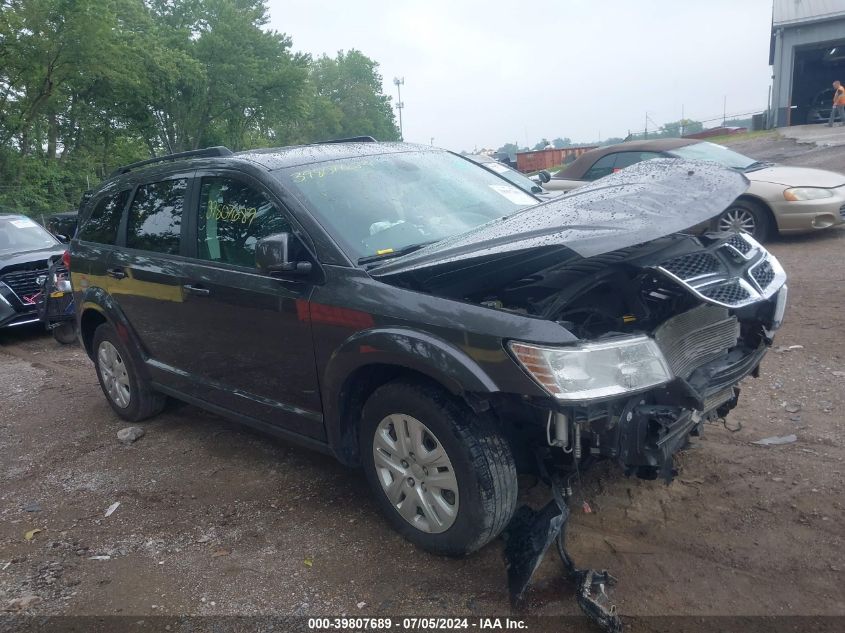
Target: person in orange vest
{"x": 838, "y": 104}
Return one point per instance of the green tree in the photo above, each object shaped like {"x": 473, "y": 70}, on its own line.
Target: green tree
{"x": 676, "y": 128}
{"x": 562, "y": 142}
{"x": 508, "y": 148}
{"x": 346, "y": 100}
{"x": 87, "y": 85}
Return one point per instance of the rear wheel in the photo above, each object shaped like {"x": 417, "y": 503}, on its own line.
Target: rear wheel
{"x": 745, "y": 217}
{"x": 443, "y": 476}
{"x": 126, "y": 390}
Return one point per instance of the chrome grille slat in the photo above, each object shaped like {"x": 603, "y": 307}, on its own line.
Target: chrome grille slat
{"x": 696, "y": 337}
{"x": 733, "y": 273}
{"x": 763, "y": 274}
{"x": 731, "y": 293}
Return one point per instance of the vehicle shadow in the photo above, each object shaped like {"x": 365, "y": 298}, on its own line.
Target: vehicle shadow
{"x": 23, "y": 334}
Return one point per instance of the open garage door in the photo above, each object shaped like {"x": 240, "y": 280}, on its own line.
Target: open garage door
{"x": 814, "y": 70}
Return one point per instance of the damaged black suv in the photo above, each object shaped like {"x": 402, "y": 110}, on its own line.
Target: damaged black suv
{"x": 416, "y": 315}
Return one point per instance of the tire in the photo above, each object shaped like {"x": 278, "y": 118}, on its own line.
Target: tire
{"x": 128, "y": 393}
{"x": 467, "y": 450}
{"x": 746, "y": 216}
{"x": 65, "y": 333}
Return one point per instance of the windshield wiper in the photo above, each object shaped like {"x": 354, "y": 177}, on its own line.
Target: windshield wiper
{"x": 394, "y": 253}
{"x": 757, "y": 164}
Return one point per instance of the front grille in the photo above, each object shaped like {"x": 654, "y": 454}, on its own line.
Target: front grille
{"x": 24, "y": 283}
{"x": 731, "y": 293}
{"x": 763, "y": 274}
{"x": 696, "y": 337}
{"x": 694, "y": 265}
{"x": 842, "y": 211}
{"x": 739, "y": 244}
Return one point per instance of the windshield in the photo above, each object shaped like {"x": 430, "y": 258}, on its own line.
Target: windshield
{"x": 381, "y": 205}
{"x": 714, "y": 153}
{"x": 18, "y": 235}
{"x": 514, "y": 177}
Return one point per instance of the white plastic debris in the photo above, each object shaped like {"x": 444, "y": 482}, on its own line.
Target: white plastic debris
{"x": 112, "y": 508}
{"x": 777, "y": 440}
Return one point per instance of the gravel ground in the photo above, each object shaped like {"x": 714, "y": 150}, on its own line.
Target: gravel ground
{"x": 214, "y": 519}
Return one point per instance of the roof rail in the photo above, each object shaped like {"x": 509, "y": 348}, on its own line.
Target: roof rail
{"x": 218, "y": 150}
{"x": 351, "y": 139}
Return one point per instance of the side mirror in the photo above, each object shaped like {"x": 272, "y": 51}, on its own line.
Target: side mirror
{"x": 64, "y": 239}
{"x": 544, "y": 176}
{"x": 275, "y": 254}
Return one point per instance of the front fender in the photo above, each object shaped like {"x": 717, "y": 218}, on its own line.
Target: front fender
{"x": 414, "y": 350}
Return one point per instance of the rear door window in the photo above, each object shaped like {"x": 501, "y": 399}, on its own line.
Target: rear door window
{"x": 101, "y": 226}
{"x": 155, "y": 217}
{"x": 626, "y": 159}
{"x": 233, "y": 216}
{"x": 601, "y": 168}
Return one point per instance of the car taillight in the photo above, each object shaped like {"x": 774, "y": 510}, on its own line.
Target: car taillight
{"x": 66, "y": 260}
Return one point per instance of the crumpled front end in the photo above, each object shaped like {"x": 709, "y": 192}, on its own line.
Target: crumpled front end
{"x": 707, "y": 315}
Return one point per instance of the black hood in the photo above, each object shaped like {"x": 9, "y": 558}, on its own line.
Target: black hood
{"x": 14, "y": 260}
{"x": 644, "y": 202}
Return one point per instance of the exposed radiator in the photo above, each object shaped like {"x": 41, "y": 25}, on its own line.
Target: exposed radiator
{"x": 696, "y": 337}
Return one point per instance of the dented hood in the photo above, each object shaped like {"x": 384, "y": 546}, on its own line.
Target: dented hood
{"x": 644, "y": 202}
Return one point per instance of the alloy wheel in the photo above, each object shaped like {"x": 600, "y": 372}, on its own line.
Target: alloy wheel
{"x": 736, "y": 220}
{"x": 114, "y": 374}
{"x": 415, "y": 473}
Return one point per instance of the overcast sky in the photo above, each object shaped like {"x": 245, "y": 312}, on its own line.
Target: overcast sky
{"x": 479, "y": 74}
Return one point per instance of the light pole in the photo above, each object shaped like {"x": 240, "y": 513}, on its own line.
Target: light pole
{"x": 398, "y": 82}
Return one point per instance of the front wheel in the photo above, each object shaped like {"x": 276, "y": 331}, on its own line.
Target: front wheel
{"x": 65, "y": 333}
{"x": 443, "y": 476}
{"x": 745, "y": 217}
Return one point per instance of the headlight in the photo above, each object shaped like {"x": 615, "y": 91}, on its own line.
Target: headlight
{"x": 798, "y": 194}
{"x": 595, "y": 370}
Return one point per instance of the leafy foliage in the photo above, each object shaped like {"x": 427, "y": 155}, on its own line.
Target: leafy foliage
{"x": 87, "y": 85}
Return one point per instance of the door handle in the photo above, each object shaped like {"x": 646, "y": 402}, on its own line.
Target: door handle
{"x": 197, "y": 290}
{"x": 117, "y": 273}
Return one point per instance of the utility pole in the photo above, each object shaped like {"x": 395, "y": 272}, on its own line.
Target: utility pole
{"x": 725, "y": 111}
{"x": 646, "y": 125}
{"x": 432, "y": 141}
{"x": 682, "y": 120}
{"x": 399, "y": 81}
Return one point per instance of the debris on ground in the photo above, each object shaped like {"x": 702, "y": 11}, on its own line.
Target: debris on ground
{"x": 220, "y": 552}
{"x": 112, "y": 508}
{"x": 838, "y": 374}
{"x": 100, "y": 557}
{"x": 309, "y": 562}
{"x": 22, "y": 603}
{"x": 792, "y": 407}
{"x": 32, "y": 506}
{"x": 361, "y": 605}
{"x": 777, "y": 440}
{"x": 130, "y": 434}
{"x": 787, "y": 348}
{"x": 31, "y": 534}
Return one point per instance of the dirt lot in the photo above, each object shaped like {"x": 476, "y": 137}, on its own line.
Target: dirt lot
{"x": 214, "y": 519}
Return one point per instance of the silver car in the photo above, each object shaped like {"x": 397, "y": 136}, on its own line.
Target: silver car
{"x": 780, "y": 199}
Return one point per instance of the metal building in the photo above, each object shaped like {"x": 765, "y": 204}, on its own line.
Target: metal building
{"x": 807, "y": 53}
